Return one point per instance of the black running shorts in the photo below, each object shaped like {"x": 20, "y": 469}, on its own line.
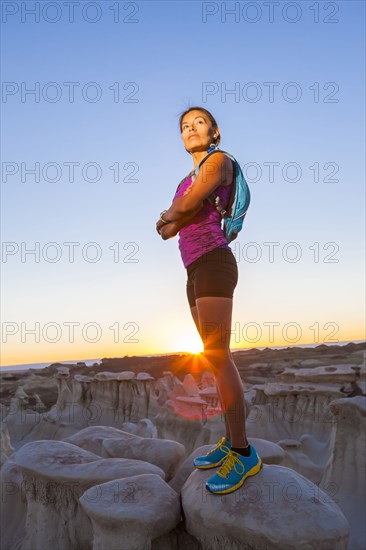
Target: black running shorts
{"x": 215, "y": 273}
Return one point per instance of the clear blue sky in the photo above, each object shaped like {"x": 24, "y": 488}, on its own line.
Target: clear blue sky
{"x": 174, "y": 55}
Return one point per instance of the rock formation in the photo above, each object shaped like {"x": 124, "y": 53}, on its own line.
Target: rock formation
{"x": 345, "y": 472}
{"x": 130, "y": 513}
{"x": 277, "y": 509}
{"x": 55, "y": 475}
{"x": 108, "y": 463}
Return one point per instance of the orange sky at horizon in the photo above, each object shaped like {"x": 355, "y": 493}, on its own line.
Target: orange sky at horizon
{"x": 191, "y": 344}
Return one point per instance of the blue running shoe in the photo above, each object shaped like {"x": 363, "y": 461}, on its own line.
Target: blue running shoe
{"x": 234, "y": 471}
{"x": 215, "y": 457}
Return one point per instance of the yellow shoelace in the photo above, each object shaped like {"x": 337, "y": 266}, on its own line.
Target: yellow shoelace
{"x": 229, "y": 464}
{"x": 220, "y": 445}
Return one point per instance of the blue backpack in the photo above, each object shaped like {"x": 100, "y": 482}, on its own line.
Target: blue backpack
{"x": 239, "y": 199}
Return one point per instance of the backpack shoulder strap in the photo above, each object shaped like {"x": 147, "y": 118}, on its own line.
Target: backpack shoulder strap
{"x": 233, "y": 190}
{"x": 204, "y": 159}
{"x": 184, "y": 179}
{"x": 216, "y": 150}
{"x": 211, "y": 198}
{"x": 197, "y": 169}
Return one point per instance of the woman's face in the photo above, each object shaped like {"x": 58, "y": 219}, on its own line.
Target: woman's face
{"x": 197, "y": 131}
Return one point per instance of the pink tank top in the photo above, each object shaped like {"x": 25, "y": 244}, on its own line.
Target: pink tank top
{"x": 203, "y": 232}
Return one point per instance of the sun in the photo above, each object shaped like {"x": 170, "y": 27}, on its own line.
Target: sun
{"x": 189, "y": 342}
{"x": 193, "y": 347}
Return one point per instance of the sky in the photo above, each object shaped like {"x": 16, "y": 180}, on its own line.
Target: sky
{"x": 92, "y": 153}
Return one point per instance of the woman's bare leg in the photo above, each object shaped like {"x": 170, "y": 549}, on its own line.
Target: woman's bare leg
{"x": 214, "y": 316}
{"x": 227, "y": 425}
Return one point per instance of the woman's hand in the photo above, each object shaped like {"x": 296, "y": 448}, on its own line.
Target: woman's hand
{"x": 169, "y": 230}
{"x": 159, "y": 225}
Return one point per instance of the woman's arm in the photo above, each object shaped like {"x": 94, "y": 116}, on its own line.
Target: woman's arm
{"x": 214, "y": 172}
{"x": 169, "y": 230}
{"x": 185, "y": 207}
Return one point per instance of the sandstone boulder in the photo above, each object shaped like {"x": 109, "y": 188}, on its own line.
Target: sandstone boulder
{"x": 164, "y": 453}
{"x": 55, "y": 475}
{"x": 129, "y": 513}
{"x": 275, "y": 509}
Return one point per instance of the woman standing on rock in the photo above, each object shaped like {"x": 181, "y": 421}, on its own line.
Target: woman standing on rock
{"x": 212, "y": 276}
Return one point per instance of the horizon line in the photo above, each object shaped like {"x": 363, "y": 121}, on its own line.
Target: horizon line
{"x": 344, "y": 342}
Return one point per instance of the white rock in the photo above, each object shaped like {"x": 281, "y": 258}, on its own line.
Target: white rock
{"x": 91, "y": 438}
{"x": 162, "y": 452}
{"x": 13, "y": 508}
{"x": 287, "y": 411}
{"x": 144, "y": 376}
{"x": 146, "y": 428}
{"x": 126, "y": 375}
{"x": 210, "y": 391}
{"x": 330, "y": 373}
{"x": 21, "y": 394}
{"x": 39, "y": 384}
{"x": 62, "y": 372}
{"x": 57, "y": 474}
{"x": 6, "y": 447}
{"x": 190, "y": 385}
{"x": 194, "y": 400}
{"x": 102, "y": 376}
{"x": 275, "y": 509}
{"x": 83, "y": 378}
{"x": 129, "y": 513}
{"x": 207, "y": 380}
{"x": 299, "y": 460}
{"x": 129, "y": 427}
{"x": 362, "y": 385}
{"x": 167, "y": 373}
{"x": 345, "y": 472}
{"x": 40, "y": 406}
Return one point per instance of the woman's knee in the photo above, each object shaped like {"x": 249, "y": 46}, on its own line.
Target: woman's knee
{"x": 217, "y": 356}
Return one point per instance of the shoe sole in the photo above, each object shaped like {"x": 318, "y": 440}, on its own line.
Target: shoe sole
{"x": 257, "y": 468}
{"x": 208, "y": 466}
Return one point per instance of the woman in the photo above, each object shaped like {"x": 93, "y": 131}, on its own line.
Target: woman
{"x": 212, "y": 276}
